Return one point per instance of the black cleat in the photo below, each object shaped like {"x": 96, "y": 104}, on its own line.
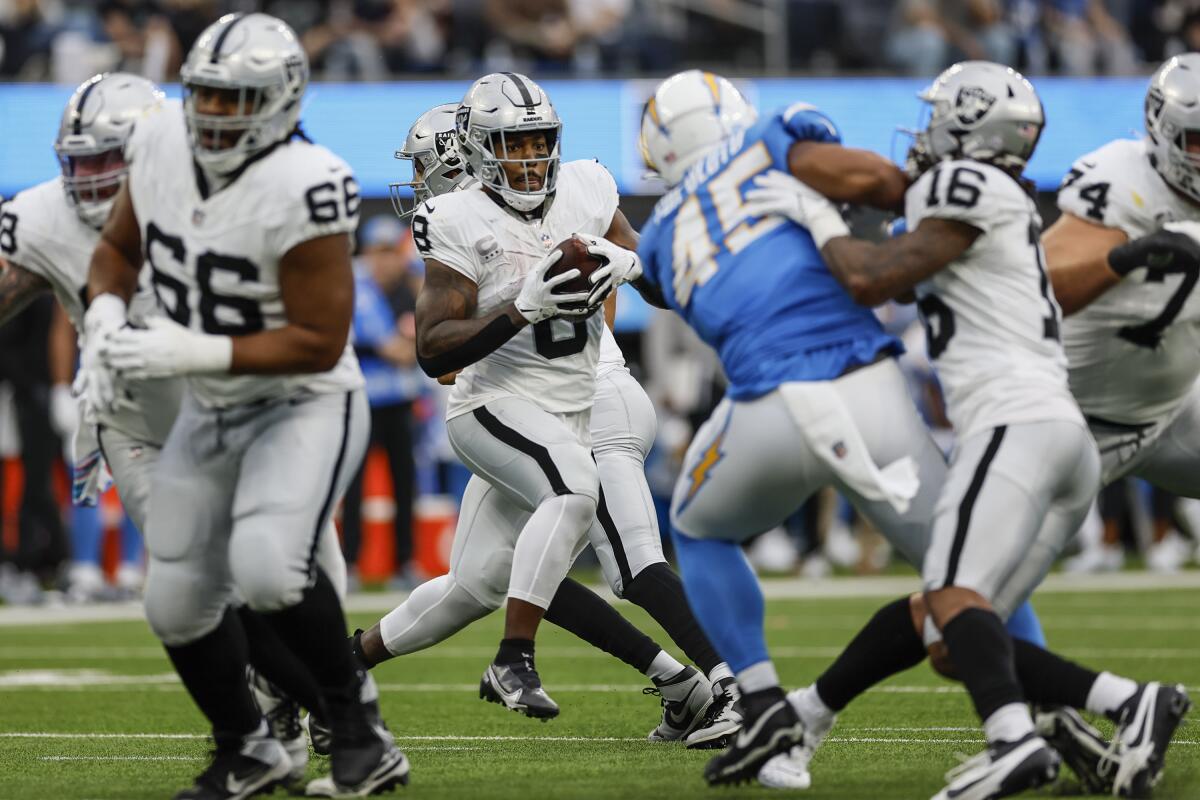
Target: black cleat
{"x": 242, "y": 768}
{"x": 1004, "y": 769}
{"x": 1083, "y": 748}
{"x": 1145, "y": 725}
{"x": 775, "y": 729}
{"x": 517, "y": 687}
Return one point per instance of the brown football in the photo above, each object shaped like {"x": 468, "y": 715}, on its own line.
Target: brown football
{"x": 575, "y": 256}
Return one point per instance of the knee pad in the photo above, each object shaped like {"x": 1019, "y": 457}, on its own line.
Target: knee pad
{"x": 266, "y": 577}
{"x": 181, "y": 606}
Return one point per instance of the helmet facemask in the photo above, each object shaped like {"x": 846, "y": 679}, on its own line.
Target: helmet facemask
{"x": 91, "y": 179}
{"x": 432, "y": 175}
{"x": 222, "y": 142}
{"x": 524, "y": 182}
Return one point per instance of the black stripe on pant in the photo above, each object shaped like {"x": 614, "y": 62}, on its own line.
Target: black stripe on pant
{"x": 967, "y": 506}
{"x": 515, "y": 440}
{"x": 331, "y": 495}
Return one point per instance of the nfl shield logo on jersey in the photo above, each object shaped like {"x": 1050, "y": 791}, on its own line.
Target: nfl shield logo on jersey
{"x": 197, "y": 217}
{"x": 547, "y": 242}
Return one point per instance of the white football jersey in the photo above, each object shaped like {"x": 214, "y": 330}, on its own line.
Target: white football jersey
{"x": 1134, "y": 352}
{"x": 990, "y": 317}
{"x": 554, "y": 362}
{"x": 40, "y": 231}
{"x": 213, "y": 257}
{"x": 611, "y": 358}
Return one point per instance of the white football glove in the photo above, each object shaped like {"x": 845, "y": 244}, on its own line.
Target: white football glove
{"x": 166, "y": 348}
{"x": 95, "y": 383}
{"x": 64, "y": 411}
{"x": 625, "y": 264}
{"x": 779, "y": 194}
{"x": 537, "y": 302}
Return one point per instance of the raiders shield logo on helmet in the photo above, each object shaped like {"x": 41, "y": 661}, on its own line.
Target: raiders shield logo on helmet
{"x": 445, "y": 143}
{"x": 972, "y": 103}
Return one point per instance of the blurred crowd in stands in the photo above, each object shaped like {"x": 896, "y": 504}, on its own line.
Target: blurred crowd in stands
{"x": 68, "y": 40}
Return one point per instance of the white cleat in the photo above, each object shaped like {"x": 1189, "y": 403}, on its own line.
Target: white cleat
{"x": 1002, "y": 770}
{"x": 721, "y": 721}
{"x": 686, "y": 697}
{"x": 790, "y": 770}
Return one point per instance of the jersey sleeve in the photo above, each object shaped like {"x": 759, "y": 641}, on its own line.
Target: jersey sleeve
{"x": 805, "y": 123}
{"x": 970, "y": 192}
{"x": 647, "y": 247}
{"x": 599, "y": 194}
{"x": 1101, "y": 188}
{"x": 323, "y": 199}
{"x": 22, "y": 242}
{"x": 437, "y": 237}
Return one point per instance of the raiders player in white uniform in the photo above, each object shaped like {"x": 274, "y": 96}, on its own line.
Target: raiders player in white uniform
{"x": 625, "y": 534}
{"x": 1132, "y": 333}
{"x": 1024, "y": 458}
{"x": 50, "y": 232}
{"x": 518, "y": 415}
{"x": 246, "y": 229}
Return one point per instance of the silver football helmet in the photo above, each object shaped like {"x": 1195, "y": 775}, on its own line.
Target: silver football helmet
{"x": 978, "y": 110}
{"x": 90, "y": 145}
{"x": 497, "y": 108}
{"x": 432, "y": 147}
{"x": 258, "y": 61}
{"x": 1172, "y": 117}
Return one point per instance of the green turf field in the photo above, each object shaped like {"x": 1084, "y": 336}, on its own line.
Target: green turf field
{"x": 108, "y": 720}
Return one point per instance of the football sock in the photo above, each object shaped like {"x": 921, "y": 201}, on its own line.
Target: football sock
{"x": 982, "y": 652}
{"x": 886, "y": 645}
{"x": 757, "y": 678}
{"x": 514, "y": 650}
{"x": 720, "y": 672}
{"x": 213, "y": 668}
{"x": 1049, "y": 679}
{"x": 663, "y": 667}
{"x": 1108, "y": 693}
{"x": 1008, "y": 723}
{"x": 275, "y": 661}
{"x": 725, "y": 596}
{"x": 315, "y": 630}
{"x": 659, "y": 591}
{"x": 579, "y": 610}
{"x": 813, "y": 708}
{"x": 433, "y": 611}
{"x": 1025, "y": 625}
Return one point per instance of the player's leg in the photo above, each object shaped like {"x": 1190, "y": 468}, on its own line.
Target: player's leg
{"x": 299, "y": 456}
{"x": 537, "y": 460}
{"x": 1173, "y": 461}
{"x": 627, "y": 541}
{"x": 748, "y": 468}
{"x": 188, "y": 594}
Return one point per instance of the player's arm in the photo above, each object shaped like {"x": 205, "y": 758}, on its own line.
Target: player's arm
{"x": 875, "y": 273}
{"x": 18, "y": 288}
{"x": 449, "y": 337}
{"x": 622, "y": 234}
{"x": 316, "y": 284}
{"x": 117, "y": 258}
{"x": 1077, "y": 260}
{"x": 848, "y": 175}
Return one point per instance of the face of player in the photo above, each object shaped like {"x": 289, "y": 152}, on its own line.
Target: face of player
{"x": 517, "y": 151}
{"x": 101, "y": 164}
{"x": 1191, "y": 143}
{"x": 214, "y": 102}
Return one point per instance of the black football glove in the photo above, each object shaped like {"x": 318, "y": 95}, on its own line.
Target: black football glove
{"x": 1165, "y": 249}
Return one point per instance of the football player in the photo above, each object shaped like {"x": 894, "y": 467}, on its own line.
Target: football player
{"x": 47, "y": 236}
{"x": 1024, "y": 462}
{"x": 1133, "y": 319}
{"x": 520, "y": 409}
{"x": 246, "y": 226}
{"x": 808, "y": 370}
{"x": 624, "y": 536}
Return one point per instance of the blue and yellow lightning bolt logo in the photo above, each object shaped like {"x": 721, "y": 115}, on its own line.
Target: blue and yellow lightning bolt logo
{"x": 712, "y": 455}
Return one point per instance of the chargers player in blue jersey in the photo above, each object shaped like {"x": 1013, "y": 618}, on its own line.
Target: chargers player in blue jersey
{"x": 815, "y": 397}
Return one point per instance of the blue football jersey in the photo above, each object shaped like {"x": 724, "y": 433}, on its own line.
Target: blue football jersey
{"x": 755, "y": 288}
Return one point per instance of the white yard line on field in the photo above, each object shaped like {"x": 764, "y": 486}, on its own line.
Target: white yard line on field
{"x": 775, "y": 588}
